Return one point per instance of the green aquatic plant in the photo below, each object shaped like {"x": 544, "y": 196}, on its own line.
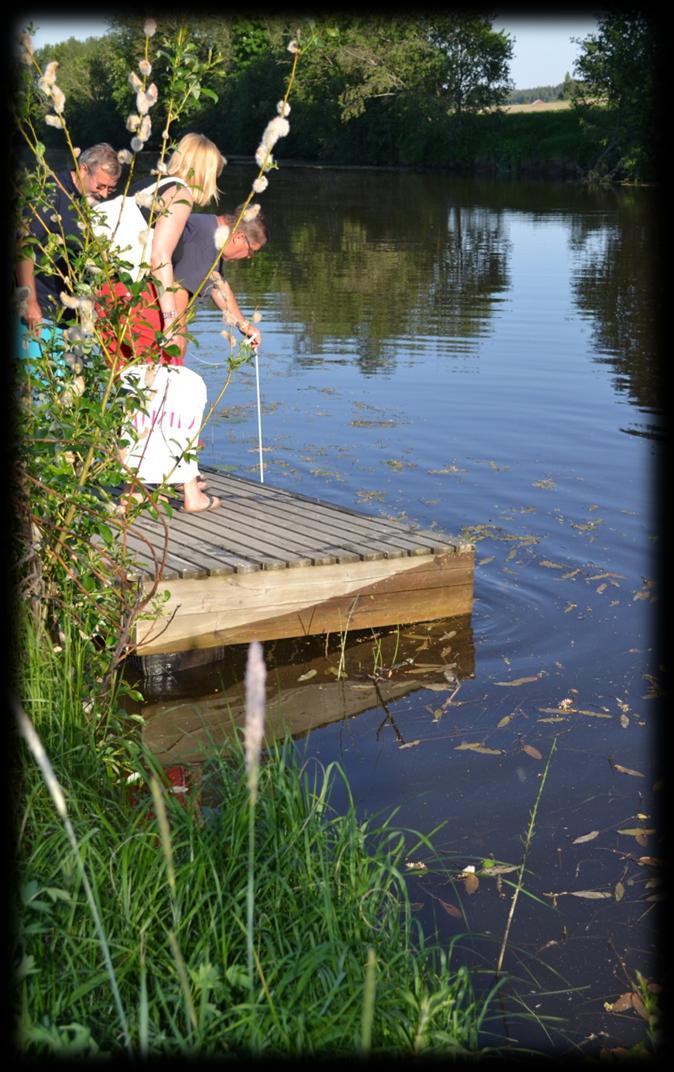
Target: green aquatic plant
{"x": 340, "y": 964}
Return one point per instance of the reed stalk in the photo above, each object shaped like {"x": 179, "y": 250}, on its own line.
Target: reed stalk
{"x": 34, "y": 743}
{"x": 528, "y": 839}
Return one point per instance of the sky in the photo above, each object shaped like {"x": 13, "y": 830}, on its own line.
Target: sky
{"x": 542, "y": 54}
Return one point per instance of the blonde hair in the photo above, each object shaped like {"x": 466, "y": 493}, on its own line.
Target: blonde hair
{"x": 199, "y": 162}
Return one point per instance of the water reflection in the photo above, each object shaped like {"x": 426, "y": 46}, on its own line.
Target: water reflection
{"x": 614, "y": 283}
{"x": 312, "y": 682}
{"x": 362, "y": 261}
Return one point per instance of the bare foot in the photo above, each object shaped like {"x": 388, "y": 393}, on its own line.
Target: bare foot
{"x": 210, "y": 502}
{"x": 196, "y": 499}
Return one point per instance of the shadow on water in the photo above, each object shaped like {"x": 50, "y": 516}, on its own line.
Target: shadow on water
{"x": 312, "y": 682}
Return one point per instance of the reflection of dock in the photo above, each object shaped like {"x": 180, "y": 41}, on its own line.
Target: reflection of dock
{"x": 272, "y": 564}
{"x": 307, "y": 688}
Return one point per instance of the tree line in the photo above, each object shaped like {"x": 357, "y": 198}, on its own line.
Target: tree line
{"x": 372, "y": 90}
{"x": 566, "y": 90}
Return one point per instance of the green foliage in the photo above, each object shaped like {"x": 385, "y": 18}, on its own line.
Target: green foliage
{"x": 374, "y": 90}
{"x": 328, "y": 889}
{"x": 619, "y": 65}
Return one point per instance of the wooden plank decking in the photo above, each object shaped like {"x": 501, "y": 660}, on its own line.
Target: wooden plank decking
{"x": 270, "y": 563}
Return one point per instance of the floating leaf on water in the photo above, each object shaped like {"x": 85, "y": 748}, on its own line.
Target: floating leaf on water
{"x": 485, "y": 561}
{"x": 531, "y": 751}
{"x": 475, "y": 746}
{"x": 638, "y": 1006}
{"x": 504, "y": 721}
{"x": 626, "y": 770}
{"x": 570, "y": 607}
{"x": 551, "y": 565}
{"x": 451, "y": 909}
{"x": 649, "y": 861}
{"x": 471, "y": 883}
{"x": 591, "y": 714}
{"x": 409, "y": 744}
{"x": 585, "y": 837}
{"x": 571, "y": 573}
{"x": 416, "y": 865}
{"x": 497, "y": 869}
{"x": 309, "y": 673}
{"x": 621, "y": 1004}
{"x": 591, "y": 895}
{"x": 619, "y": 891}
{"x": 519, "y": 681}
{"x": 624, "y": 721}
{"x": 638, "y": 831}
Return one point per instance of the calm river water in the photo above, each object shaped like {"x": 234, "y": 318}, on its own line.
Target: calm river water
{"x": 476, "y": 356}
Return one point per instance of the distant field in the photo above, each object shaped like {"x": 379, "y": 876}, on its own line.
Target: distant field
{"x": 542, "y": 106}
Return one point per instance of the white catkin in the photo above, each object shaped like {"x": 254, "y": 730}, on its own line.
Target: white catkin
{"x": 145, "y": 198}
{"x": 221, "y": 235}
{"x": 255, "y": 713}
{"x": 142, "y": 103}
{"x": 263, "y": 158}
{"x": 58, "y": 98}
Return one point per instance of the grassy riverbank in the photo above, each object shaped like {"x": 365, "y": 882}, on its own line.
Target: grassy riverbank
{"x": 548, "y": 143}
{"x": 340, "y": 963}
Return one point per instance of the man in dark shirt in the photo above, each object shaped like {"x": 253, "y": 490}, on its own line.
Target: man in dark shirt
{"x": 194, "y": 256}
{"x": 43, "y": 279}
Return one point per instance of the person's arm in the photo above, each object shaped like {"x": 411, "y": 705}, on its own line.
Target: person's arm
{"x": 25, "y": 277}
{"x": 167, "y": 231}
{"x": 223, "y": 296}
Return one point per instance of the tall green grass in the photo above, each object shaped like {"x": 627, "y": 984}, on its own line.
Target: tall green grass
{"x": 340, "y": 964}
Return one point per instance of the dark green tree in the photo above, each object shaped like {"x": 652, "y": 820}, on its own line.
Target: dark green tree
{"x": 619, "y": 66}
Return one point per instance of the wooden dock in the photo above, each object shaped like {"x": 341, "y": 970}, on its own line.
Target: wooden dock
{"x": 271, "y": 563}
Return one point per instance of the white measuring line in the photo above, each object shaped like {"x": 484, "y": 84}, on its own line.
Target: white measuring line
{"x": 259, "y": 414}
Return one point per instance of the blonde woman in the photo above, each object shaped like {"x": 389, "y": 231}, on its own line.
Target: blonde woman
{"x": 196, "y": 164}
